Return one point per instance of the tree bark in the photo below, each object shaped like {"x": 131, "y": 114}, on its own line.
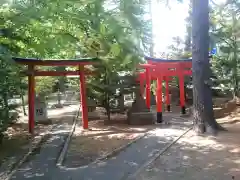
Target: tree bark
{"x": 106, "y": 96}
{"x": 23, "y": 102}
{"x": 6, "y": 106}
{"x": 121, "y": 100}
{"x": 235, "y": 57}
{"x": 235, "y": 74}
{"x": 204, "y": 120}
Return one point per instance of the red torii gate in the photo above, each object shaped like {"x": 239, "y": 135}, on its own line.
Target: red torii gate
{"x": 163, "y": 69}
{"x": 32, "y": 72}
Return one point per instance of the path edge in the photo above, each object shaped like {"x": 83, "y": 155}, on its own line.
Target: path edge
{"x": 157, "y": 155}
{"x": 64, "y": 150}
{"x": 15, "y": 166}
{"x": 121, "y": 148}
{"x": 110, "y": 154}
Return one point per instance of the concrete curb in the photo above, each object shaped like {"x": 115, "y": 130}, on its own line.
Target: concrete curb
{"x": 157, "y": 155}
{"x": 121, "y": 148}
{"x": 66, "y": 144}
{"x": 14, "y": 166}
{"x": 111, "y": 154}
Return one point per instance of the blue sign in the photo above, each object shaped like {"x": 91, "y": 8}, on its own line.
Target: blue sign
{"x": 214, "y": 51}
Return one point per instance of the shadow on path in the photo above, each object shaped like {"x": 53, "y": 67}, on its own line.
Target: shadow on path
{"x": 43, "y": 166}
{"x": 42, "y": 163}
{"x": 198, "y": 158}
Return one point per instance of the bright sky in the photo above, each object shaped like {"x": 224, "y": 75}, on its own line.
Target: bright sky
{"x": 169, "y": 22}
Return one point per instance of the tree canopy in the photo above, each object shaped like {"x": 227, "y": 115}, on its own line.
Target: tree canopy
{"x": 116, "y": 31}
{"x": 119, "y": 32}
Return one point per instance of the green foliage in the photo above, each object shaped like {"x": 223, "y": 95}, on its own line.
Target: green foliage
{"x": 44, "y": 85}
{"x": 114, "y": 31}
{"x": 226, "y": 32}
{"x": 225, "y": 35}
{"x": 9, "y": 86}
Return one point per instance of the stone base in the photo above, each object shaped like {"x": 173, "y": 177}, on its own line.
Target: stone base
{"x": 43, "y": 121}
{"x": 93, "y": 116}
{"x": 168, "y": 108}
{"x": 183, "y": 110}
{"x": 185, "y": 115}
{"x": 56, "y": 106}
{"x": 141, "y": 118}
{"x": 159, "y": 117}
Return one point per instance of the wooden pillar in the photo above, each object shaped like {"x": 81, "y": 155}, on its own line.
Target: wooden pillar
{"x": 148, "y": 88}
{"x": 167, "y": 94}
{"x": 83, "y": 98}
{"x": 182, "y": 94}
{"x": 31, "y": 99}
{"x": 159, "y": 99}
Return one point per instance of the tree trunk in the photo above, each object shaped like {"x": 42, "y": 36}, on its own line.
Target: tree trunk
{"x": 108, "y": 109}
{"x": 59, "y": 98}
{"x": 6, "y": 106}
{"x": 106, "y": 105}
{"x": 61, "y": 80}
{"x": 23, "y": 103}
{"x": 235, "y": 77}
{"x": 202, "y": 96}
{"x": 107, "y": 98}
{"x": 235, "y": 58}
{"x": 121, "y": 100}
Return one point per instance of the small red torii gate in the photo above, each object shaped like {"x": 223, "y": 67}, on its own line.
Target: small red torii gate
{"x": 163, "y": 69}
{"x": 32, "y": 72}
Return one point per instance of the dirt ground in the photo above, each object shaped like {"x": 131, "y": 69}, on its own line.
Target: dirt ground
{"x": 202, "y": 157}
{"x": 86, "y": 146}
{"x": 17, "y": 139}
{"x": 224, "y": 107}
{"x": 101, "y": 139}
{"x": 199, "y": 158}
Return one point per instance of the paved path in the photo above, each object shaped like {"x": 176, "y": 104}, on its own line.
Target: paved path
{"x": 42, "y": 164}
{"x": 117, "y": 168}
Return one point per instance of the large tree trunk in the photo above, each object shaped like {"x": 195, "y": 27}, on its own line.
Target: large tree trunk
{"x": 202, "y": 96}
{"x": 235, "y": 59}
{"x": 235, "y": 75}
